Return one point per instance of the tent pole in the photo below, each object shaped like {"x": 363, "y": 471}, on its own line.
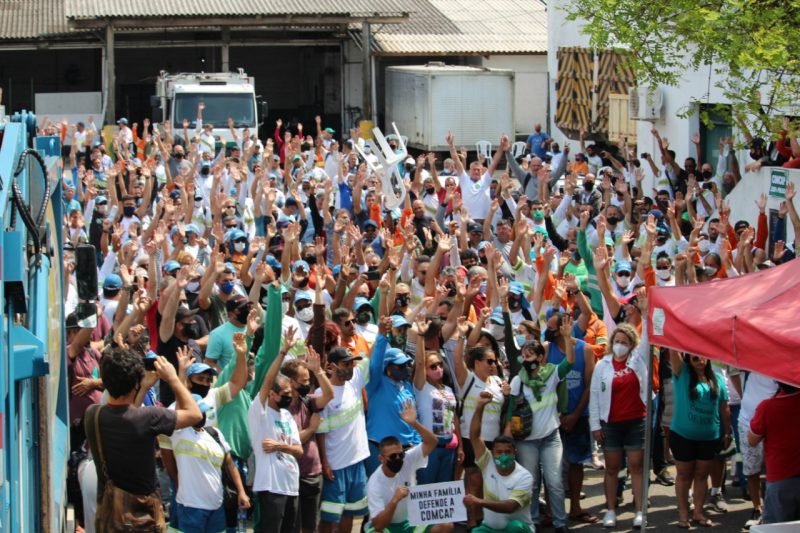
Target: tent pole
{"x": 648, "y": 437}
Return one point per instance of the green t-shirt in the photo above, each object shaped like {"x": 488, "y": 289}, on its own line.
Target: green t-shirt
{"x": 220, "y": 344}
{"x": 697, "y": 419}
{"x": 579, "y": 271}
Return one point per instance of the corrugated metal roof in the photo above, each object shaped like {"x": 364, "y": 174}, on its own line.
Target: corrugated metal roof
{"x": 90, "y": 9}
{"x": 27, "y": 19}
{"x": 468, "y": 27}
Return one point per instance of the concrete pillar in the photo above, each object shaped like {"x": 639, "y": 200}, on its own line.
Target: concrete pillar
{"x": 226, "y": 49}
{"x": 366, "y": 72}
{"x": 111, "y": 80}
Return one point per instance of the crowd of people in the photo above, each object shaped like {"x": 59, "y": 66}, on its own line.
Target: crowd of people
{"x": 275, "y": 346}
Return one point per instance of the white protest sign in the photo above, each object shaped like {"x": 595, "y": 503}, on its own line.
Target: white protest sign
{"x": 437, "y": 503}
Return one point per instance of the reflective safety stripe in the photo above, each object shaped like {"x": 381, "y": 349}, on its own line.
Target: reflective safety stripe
{"x": 546, "y": 401}
{"x": 494, "y": 408}
{"x": 299, "y": 350}
{"x": 356, "y": 506}
{"x": 164, "y": 442}
{"x": 332, "y": 508}
{"x": 194, "y": 449}
{"x": 343, "y": 418}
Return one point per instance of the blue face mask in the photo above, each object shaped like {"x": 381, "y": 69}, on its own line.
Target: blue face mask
{"x": 227, "y": 287}
{"x": 521, "y": 339}
{"x": 483, "y": 287}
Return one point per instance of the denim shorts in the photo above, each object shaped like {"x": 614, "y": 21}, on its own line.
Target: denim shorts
{"x": 577, "y": 442}
{"x": 627, "y": 435}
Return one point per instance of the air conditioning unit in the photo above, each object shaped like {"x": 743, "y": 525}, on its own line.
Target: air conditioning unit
{"x": 645, "y": 103}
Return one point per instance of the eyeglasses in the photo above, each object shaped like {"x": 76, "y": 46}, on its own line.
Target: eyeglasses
{"x": 490, "y": 361}
{"x": 231, "y": 227}
{"x": 349, "y": 322}
{"x": 434, "y": 366}
{"x": 624, "y": 274}
{"x": 396, "y": 456}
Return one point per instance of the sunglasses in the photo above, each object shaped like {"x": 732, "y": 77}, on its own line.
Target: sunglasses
{"x": 490, "y": 361}
{"x": 396, "y": 456}
{"x": 348, "y": 322}
{"x": 434, "y": 366}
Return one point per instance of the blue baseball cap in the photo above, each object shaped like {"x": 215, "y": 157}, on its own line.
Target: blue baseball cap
{"x": 273, "y": 262}
{"x": 515, "y": 287}
{"x": 482, "y": 245}
{"x": 112, "y": 282}
{"x": 623, "y": 266}
{"x": 395, "y": 356}
{"x": 192, "y": 228}
{"x": 360, "y": 302}
{"x": 302, "y": 295}
{"x": 497, "y": 315}
{"x": 297, "y": 265}
{"x": 171, "y": 265}
{"x": 199, "y": 368}
{"x": 399, "y": 321}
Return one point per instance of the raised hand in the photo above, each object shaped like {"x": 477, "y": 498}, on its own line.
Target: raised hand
{"x": 409, "y": 412}
{"x": 312, "y": 359}
{"x": 239, "y": 343}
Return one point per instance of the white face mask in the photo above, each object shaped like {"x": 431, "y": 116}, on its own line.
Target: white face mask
{"x": 663, "y": 273}
{"x": 193, "y": 286}
{"x": 284, "y": 308}
{"x": 704, "y": 246}
{"x": 623, "y": 281}
{"x": 497, "y": 331}
{"x": 620, "y": 350}
{"x": 305, "y": 315}
{"x": 239, "y": 246}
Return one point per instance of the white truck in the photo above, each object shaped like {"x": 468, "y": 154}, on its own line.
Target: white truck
{"x": 225, "y": 95}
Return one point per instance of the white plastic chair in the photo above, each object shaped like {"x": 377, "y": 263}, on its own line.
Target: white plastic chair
{"x": 517, "y": 149}
{"x": 394, "y": 190}
{"x": 401, "y": 138}
{"x": 484, "y": 148}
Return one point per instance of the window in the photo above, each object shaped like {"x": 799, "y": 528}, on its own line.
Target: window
{"x": 241, "y": 107}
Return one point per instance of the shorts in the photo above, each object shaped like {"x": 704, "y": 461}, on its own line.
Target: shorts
{"x": 782, "y": 500}
{"x": 627, "y": 435}
{"x": 752, "y": 456}
{"x": 577, "y": 443}
{"x": 345, "y": 494}
{"x": 310, "y": 492}
{"x": 400, "y": 527}
{"x": 469, "y": 453}
{"x": 688, "y": 450}
{"x": 191, "y": 519}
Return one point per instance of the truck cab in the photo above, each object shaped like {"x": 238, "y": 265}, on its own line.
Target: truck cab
{"x": 225, "y": 95}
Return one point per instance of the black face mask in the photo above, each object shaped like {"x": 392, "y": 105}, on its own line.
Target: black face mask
{"x": 303, "y": 283}
{"x": 399, "y": 373}
{"x": 204, "y": 170}
{"x": 284, "y": 402}
{"x": 401, "y": 301}
{"x": 706, "y": 175}
{"x": 395, "y": 465}
{"x": 484, "y": 259}
{"x": 191, "y": 332}
{"x": 530, "y": 366}
{"x": 303, "y": 390}
{"x": 363, "y": 317}
{"x": 612, "y": 220}
{"x": 550, "y": 335}
{"x": 588, "y": 186}
{"x": 178, "y": 156}
{"x": 241, "y": 315}
{"x": 451, "y": 289}
{"x": 311, "y": 259}
{"x": 345, "y": 374}
{"x": 514, "y": 303}
{"x": 576, "y": 256}
{"x": 430, "y": 190}
{"x": 200, "y": 390}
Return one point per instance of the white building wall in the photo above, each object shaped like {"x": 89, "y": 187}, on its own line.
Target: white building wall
{"x": 530, "y": 88}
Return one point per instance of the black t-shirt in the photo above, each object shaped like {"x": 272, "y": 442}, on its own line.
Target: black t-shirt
{"x": 169, "y": 350}
{"x": 127, "y": 436}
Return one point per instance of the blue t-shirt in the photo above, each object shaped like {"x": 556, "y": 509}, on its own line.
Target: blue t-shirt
{"x": 574, "y": 378}
{"x": 536, "y": 140}
{"x": 697, "y": 419}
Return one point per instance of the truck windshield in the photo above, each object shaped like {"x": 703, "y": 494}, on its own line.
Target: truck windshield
{"x": 219, "y": 108}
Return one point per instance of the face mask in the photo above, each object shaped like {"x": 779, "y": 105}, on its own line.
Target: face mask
{"x": 303, "y": 283}
{"x": 401, "y": 301}
{"x": 504, "y": 462}
{"x": 663, "y": 273}
{"x": 101, "y": 209}
{"x": 620, "y": 350}
{"x": 497, "y": 331}
{"x": 345, "y": 374}
{"x": 435, "y": 375}
{"x": 623, "y": 281}
{"x": 704, "y": 246}
{"x": 483, "y": 285}
{"x": 521, "y": 339}
{"x": 395, "y": 465}
{"x": 451, "y": 290}
{"x": 227, "y": 287}
{"x": 514, "y": 303}
{"x": 311, "y": 259}
{"x": 483, "y": 259}
{"x": 363, "y": 317}
{"x": 398, "y": 341}
{"x": 191, "y": 332}
{"x": 204, "y": 170}
{"x": 398, "y": 373}
{"x": 710, "y": 271}
{"x": 129, "y": 210}
{"x": 706, "y": 175}
{"x": 284, "y": 402}
{"x": 538, "y": 216}
{"x": 588, "y": 186}
{"x": 241, "y": 315}
{"x": 193, "y": 286}
{"x": 430, "y": 190}
{"x": 285, "y": 308}
{"x": 612, "y": 220}
{"x": 530, "y": 366}
{"x": 200, "y": 390}
{"x": 305, "y": 315}
{"x": 239, "y": 246}
{"x": 550, "y": 335}
{"x": 303, "y": 390}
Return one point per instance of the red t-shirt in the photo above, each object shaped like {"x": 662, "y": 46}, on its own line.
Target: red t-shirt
{"x": 626, "y": 404}
{"x": 780, "y": 438}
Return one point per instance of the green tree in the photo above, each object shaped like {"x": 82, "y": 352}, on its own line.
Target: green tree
{"x": 750, "y": 44}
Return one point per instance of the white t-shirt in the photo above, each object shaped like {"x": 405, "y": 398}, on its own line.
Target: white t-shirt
{"x": 475, "y": 194}
{"x": 343, "y": 422}
{"x": 216, "y": 398}
{"x": 276, "y": 472}
{"x": 518, "y": 486}
{"x": 490, "y": 423}
{"x": 436, "y": 409}
{"x": 757, "y": 388}
{"x": 199, "y": 460}
{"x": 545, "y": 411}
{"x": 369, "y": 331}
{"x": 381, "y": 489}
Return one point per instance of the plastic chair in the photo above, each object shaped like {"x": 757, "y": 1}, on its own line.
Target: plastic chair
{"x": 394, "y": 190}
{"x": 401, "y": 138}
{"x": 484, "y": 148}
{"x": 517, "y": 149}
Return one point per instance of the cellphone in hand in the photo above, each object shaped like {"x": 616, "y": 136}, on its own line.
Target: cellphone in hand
{"x": 373, "y": 275}
{"x": 149, "y": 364}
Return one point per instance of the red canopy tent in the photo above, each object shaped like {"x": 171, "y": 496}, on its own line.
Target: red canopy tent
{"x": 751, "y": 322}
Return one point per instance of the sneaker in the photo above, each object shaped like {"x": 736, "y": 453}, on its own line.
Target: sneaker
{"x": 717, "y": 503}
{"x": 665, "y": 478}
{"x": 755, "y": 519}
{"x": 610, "y": 519}
{"x": 637, "y": 520}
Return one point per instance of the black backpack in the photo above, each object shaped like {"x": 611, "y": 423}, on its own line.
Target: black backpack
{"x": 520, "y": 415}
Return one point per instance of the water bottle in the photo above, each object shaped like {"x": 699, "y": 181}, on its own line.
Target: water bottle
{"x": 241, "y": 520}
